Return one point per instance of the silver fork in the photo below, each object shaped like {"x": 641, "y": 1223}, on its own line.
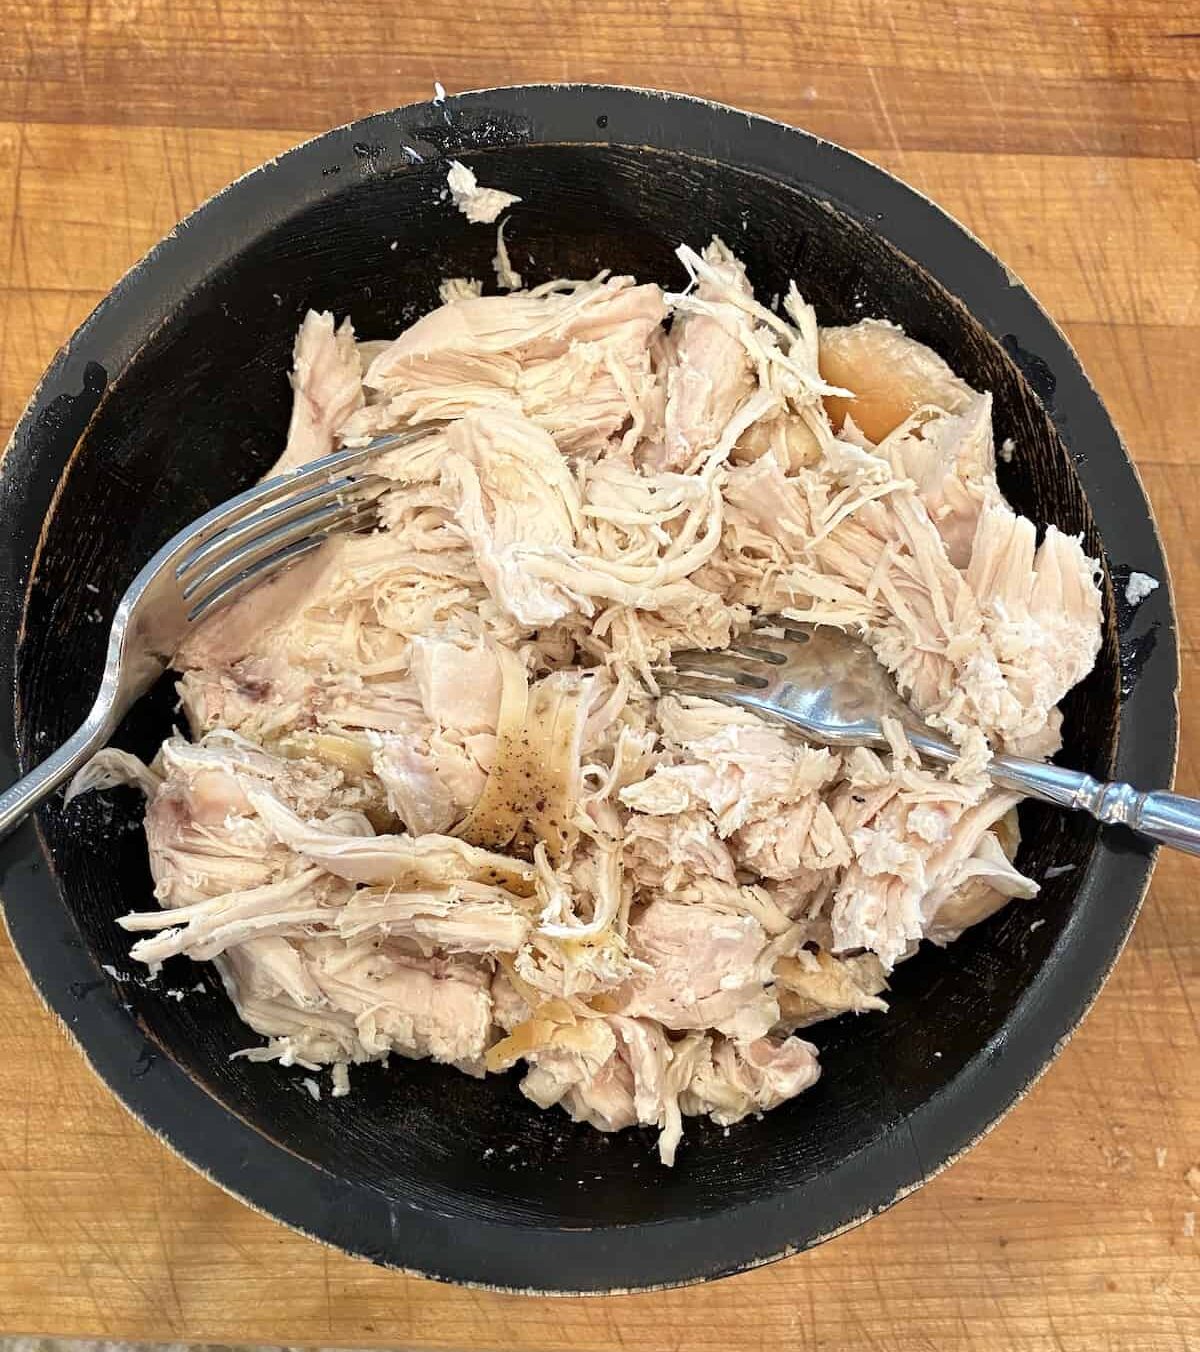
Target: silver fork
{"x": 832, "y": 688}
{"x": 208, "y": 564}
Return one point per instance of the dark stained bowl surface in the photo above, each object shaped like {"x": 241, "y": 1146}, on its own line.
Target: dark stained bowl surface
{"x": 173, "y": 395}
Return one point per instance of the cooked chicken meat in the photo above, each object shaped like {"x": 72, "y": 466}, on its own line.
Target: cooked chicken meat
{"x": 433, "y": 803}
{"x": 479, "y": 205}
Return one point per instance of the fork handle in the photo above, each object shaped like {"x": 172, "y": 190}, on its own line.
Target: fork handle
{"x": 1169, "y": 818}
{"x": 26, "y": 794}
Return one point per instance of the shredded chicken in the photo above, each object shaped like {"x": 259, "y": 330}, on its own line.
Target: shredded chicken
{"x": 433, "y": 803}
{"x": 479, "y": 205}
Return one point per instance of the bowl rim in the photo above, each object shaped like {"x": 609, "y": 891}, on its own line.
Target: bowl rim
{"x": 353, "y": 1216}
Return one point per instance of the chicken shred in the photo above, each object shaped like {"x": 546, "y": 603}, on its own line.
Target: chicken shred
{"x": 433, "y": 802}
{"x": 479, "y": 205}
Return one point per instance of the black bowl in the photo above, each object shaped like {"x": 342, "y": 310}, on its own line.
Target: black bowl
{"x": 172, "y": 396}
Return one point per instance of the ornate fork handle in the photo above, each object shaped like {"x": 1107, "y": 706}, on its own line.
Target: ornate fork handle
{"x": 1167, "y": 817}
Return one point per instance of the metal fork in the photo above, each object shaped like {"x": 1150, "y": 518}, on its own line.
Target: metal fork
{"x": 833, "y": 689}
{"x": 205, "y": 566}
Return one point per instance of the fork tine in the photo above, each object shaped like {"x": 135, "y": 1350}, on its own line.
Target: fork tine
{"x": 780, "y": 650}
{"x": 259, "y": 545}
{"x": 258, "y": 567}
{"x": 758, "y": 652}
{"x": 231, "y": 590}
{"x": 677, "y": 683}
{"x": 719, "y": 668}
{"x": 319, "y": 472}
{"x": 196, "y": 567}
{"x": 791, "y": 629}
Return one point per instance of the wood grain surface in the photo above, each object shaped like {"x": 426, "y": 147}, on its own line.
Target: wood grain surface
{"x": 1066, "y": 136}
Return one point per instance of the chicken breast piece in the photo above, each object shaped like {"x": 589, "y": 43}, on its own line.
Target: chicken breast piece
{"x": 516, "y": 499}
{"x": 813, "y": 986}
{"x": 740, "y": 770}
{"x": 707, "y": 970}
{"x": 462, "y": 917}
{"x": 327, "y": 389}
{"x": 626, "y": 1090}
{"x": 668, "y": 853}
{"x": 882, "y": 898}
{"x": 203, "y": 835}
{"x": 708, "y": 369}
{"x": 416, "y": 1007}
{"x": 950, "y": 458}
{"x": 388, "y": 860}
{"x": 1041, "y": 610}
{"x": 459, "y": 683}
{"x": 802, "y": 838}
{"x": 294, "y": 906}
{"x": 575, "y": 361}
{"x": 735, "y": 1079}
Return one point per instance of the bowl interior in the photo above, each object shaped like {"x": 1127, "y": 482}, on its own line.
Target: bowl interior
{"x": 202, "y": 410}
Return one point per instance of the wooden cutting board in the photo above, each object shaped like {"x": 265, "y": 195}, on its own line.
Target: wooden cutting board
{"x": 1066, "y": 136}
